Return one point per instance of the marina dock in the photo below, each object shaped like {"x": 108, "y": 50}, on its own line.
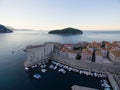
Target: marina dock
{"x": 75, "y": 87}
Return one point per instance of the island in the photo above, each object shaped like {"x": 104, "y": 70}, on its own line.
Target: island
{"x": 69, "y": 31}
{"x": 4, "y": 29}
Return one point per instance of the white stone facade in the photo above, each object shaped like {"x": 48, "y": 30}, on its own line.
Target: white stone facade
{"x": 115, "y": 60}
{"x": 72, "y": 55}
{"x": 104, "y": 53}
{"x": 89, "y": 57}
{"x": 98, "y": 59}
{"x": 38, "y": 53}
{"x": 84, "y": 56}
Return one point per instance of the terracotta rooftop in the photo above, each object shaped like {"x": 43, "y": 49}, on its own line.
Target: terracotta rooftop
{"x": 115, "y": 52}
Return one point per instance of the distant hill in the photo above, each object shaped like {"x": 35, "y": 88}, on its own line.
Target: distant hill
{"x": 69, "y": 30}
{"x": 11, "y": 28}
{"x": 4, "y": 29}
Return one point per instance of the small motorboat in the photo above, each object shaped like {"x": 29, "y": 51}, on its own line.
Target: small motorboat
{"x": 51, "y": 66}
{"x": 95, "y": 74}
{"x": 37, "y": 76}
{"x": 43, "y": 66}
{"x": 104, "y": 83}
{"x": 26, "y": 68}
{"x": 55, "y": 68}
{"x": 43, "y": 70}
{"x": 69, "y": 69}
{"x": 34, "y": 66}
{"x": 62, "y": 70}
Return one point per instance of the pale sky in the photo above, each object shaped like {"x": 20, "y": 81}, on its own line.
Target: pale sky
{"x": 57, "y": 14}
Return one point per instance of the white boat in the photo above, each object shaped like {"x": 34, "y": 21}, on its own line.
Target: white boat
{"x": 95, "y": 74}
{"x": 35, "y": 65}
{"x": 53, "y": 62}
{"x": 57, "y": 63}
{"x": 37, "y": 76}
{"x": 69, "y": 69}
{"x": 89, "y": 73}
{"x": 51, "y": 66}
{"x": 62, "y": 70}
{"x": 43, "y": 66}
{"x": 26, "y": 68}
{"x": 60, "y": 65}
{"x": 32, "y": 66}
{"x": 75, "y": 70}
{"x": 80, "y": 72}
{"x": 104, "y": 83}
{"x": 55, "y": 68}
{"x": 65, "y": 66}
{"x": 43, "y": 70}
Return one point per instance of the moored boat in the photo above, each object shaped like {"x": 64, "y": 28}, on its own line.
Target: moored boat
{"x": 37, "y": 76}
{"x": 43, "y": 70}
{"x": 26, "y": 68}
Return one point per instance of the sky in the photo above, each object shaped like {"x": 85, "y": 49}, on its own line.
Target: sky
{"x": 58, "y": 14}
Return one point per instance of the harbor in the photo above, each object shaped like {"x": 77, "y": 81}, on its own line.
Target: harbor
{"x": 39, "y": 71}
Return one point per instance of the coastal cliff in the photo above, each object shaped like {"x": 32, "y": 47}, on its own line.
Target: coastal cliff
{"x": 4, "y": 29}
{"x": 69, "y": 30}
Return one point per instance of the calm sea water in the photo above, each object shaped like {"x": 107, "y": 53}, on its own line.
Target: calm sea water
{"x": 12, "y": 74}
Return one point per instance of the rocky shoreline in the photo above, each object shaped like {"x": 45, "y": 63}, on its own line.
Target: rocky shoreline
{"x": 4, "y": 29}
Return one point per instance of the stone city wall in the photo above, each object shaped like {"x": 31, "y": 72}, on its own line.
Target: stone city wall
{"x": 37, "y": 54}
{"x": 87, "y": 65}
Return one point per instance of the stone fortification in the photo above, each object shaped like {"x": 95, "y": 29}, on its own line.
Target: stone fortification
{"x": 39, "y": 53}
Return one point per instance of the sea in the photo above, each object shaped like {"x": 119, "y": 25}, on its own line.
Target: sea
{"x": 12, "y": 57}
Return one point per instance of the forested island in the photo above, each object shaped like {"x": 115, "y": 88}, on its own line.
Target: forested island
{"x": 68, "y": 31}
{"x": 4, "y": 29}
